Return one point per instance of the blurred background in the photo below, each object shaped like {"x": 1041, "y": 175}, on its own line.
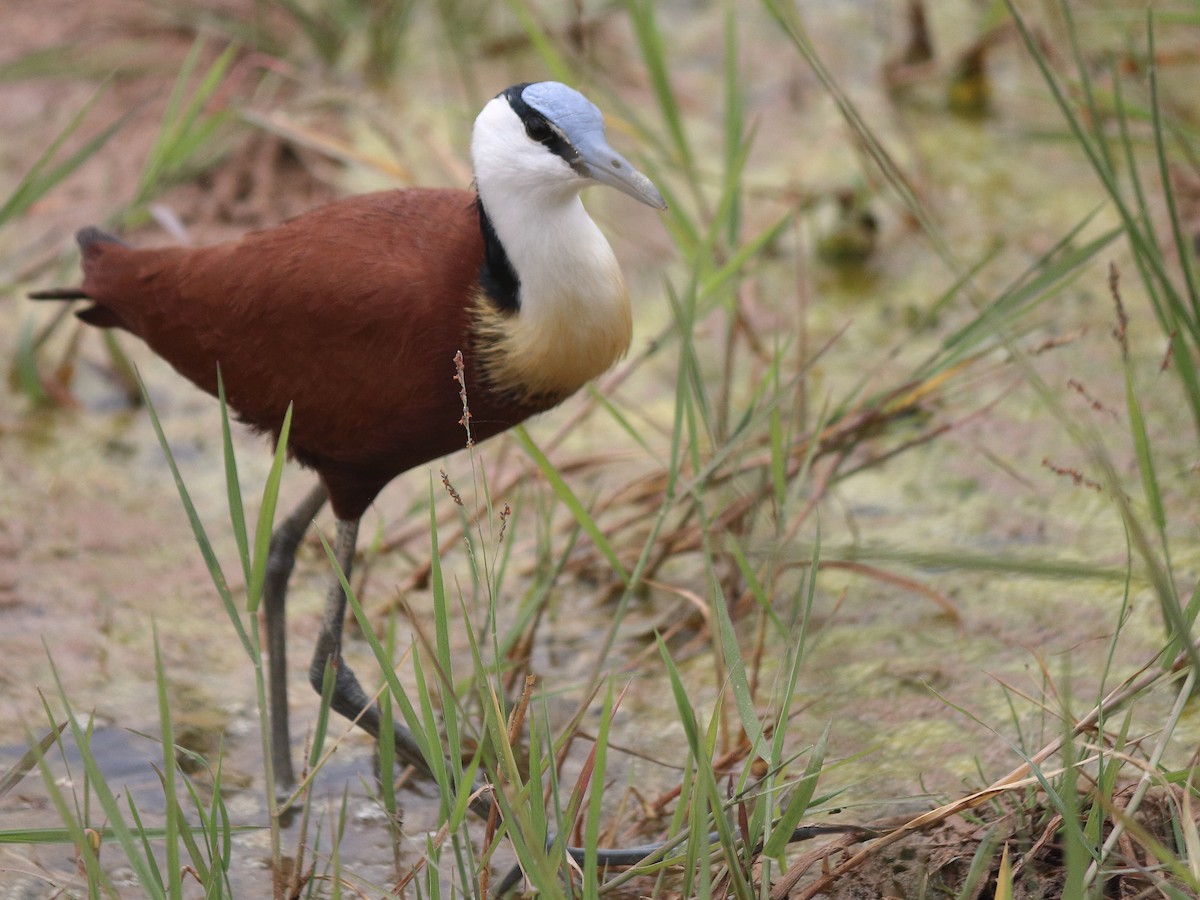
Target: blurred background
{"x": 896, "y": 483}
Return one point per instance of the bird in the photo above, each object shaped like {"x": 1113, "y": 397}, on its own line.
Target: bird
{"x": 352, "y": 313}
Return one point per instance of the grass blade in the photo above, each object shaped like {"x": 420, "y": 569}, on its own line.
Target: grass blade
{"x": 266, "y": 516}
{"x": 568, "y": 498}
{"x": 40, "y": 179}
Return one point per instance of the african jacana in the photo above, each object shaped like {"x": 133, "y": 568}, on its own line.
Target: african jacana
{"x": 353, "y": 313}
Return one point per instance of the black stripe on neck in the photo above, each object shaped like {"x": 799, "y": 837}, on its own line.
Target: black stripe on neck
{"x": 497, "y": 276}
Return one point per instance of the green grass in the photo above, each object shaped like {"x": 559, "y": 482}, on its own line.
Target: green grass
{"x": 727, "y": 496}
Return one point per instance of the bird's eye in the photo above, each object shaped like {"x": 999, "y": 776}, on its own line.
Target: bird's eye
{"x": 537, "y": 128}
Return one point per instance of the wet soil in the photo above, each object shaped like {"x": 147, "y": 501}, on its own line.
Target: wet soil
{"x": 97, "y": 557}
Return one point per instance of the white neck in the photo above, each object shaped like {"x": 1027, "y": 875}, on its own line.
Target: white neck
{"x": 574, "y": 319}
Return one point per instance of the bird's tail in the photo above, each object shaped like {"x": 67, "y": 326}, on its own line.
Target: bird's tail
{"x": 62, "y": 293}
{"x": 91, "y": 241}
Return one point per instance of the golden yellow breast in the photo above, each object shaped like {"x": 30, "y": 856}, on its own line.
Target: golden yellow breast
{"x": 551, "y": 356}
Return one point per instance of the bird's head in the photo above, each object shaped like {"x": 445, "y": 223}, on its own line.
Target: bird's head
{"x": 547, "y": 140}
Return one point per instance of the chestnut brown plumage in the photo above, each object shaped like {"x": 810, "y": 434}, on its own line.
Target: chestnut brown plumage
{"x": 353, "y": 313}
{"x": 324, "y": 312}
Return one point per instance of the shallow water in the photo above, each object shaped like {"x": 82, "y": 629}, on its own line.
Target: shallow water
{"x": 95, "y": 551}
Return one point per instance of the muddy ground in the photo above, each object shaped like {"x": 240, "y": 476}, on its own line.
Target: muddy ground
{"x": 96, "y": 554}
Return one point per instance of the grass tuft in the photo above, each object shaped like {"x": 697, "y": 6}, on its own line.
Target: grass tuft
{"x": 664, "y": 614}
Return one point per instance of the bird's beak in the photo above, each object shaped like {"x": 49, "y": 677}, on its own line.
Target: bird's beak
{"x": 607, "y": 166}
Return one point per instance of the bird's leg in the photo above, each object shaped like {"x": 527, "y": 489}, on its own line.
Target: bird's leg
{"x": 349, "y": 698}
{"x": 281, "y": 557}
